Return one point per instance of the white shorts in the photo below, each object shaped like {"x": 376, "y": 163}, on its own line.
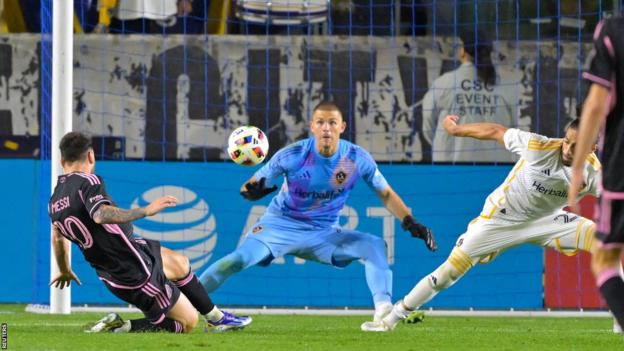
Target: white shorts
{"x": 486, "y": 238}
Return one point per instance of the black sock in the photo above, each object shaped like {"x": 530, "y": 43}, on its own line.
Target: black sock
{"x": 145, "y": 325}
{"x": 195, "y": 292}
{"x": 613, "y": 292}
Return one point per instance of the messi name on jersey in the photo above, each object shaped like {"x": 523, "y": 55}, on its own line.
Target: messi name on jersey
{"x": 549, "y": 191}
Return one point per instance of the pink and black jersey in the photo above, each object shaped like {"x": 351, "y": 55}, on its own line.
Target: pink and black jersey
{"x": 109, "y": 248}
{"x": 607, "y": 69}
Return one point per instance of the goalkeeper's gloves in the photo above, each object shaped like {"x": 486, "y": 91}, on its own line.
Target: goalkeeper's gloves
{"x": 419, "y": 231}
{"x": 257, "y": 190}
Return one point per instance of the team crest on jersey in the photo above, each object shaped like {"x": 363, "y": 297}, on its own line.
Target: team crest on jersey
{"x": 257, "y": 229}
{"x": 341, "y": 176}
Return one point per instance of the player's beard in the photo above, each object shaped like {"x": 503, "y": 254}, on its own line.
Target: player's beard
{"x": 566, "y": 161}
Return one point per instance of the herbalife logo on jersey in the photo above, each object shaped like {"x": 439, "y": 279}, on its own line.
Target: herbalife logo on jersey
{"x": 318, "y": 195}
{"x": 549, "y": 191}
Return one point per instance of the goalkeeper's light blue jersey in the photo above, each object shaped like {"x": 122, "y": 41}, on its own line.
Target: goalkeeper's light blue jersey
{"x": 316, "y": 187}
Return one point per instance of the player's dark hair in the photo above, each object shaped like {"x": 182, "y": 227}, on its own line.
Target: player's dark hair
{"x": 74, "y": 146}
{"x": 574, "y": 124}
{"x": 477, "y": 45}
{"x": 326, "y": 105}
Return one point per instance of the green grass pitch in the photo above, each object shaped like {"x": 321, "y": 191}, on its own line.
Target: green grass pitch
{"x": 27, "y": 331}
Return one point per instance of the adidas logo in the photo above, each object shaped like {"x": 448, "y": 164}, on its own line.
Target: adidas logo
{"x": 304, "y": 175}
{"x": 546, "y": 172}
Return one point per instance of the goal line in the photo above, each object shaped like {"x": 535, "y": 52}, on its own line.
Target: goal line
{"x": 38, "y": 308}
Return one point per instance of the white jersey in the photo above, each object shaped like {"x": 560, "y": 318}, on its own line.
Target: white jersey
{"x": 537, "y": 186}
{"x": 462, "y": 93}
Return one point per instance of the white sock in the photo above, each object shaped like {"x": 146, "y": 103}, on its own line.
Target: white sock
{"x": 399, "y": 312}
{"x": 420, "y": 294}
{"x": 214, "y": 315}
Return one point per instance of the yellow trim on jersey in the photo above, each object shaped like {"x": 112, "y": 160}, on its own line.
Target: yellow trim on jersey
{"x": 460, "y": 260}
{"x": 551, "y": 144}
{"x": 489, "y": 258}
{"x": 489, "y": 215}
{"x": 592, "y": 159}
{"x": 513, "y": 176}
{"x": 588, "y": 242}
{"x": 505, "y": 188}
{"x": 573, "y": 252}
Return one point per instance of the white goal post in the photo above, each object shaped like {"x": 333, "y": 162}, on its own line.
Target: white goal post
{"x": 62, "y": 78}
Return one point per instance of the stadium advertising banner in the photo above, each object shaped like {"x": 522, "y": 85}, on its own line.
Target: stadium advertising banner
{"x": 211, "y": 217}
{"x": 179, "y": 97}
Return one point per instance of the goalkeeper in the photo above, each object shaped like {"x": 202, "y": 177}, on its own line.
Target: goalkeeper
{"x": 526, "y": 208}
{"x": 302, "y": 219}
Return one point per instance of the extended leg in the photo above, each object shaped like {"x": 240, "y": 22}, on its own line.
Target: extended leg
{"x": 442, "y": 278}
{"x": 372, "y": 251}
{"x": 248, "y": 254}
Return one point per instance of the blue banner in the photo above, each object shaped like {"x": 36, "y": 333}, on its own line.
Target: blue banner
{"x": 212, "y": 216}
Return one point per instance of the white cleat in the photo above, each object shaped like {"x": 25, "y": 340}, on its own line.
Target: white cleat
{"x": 382, "y": 312}
{"x": 375, "y": 327}
{"x": 109, "y": 323}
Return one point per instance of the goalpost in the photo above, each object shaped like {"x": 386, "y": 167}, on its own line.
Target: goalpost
{"x": 62, "y": 57}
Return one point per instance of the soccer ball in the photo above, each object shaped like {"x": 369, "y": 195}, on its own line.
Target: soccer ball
{"x": 248, "y": 146}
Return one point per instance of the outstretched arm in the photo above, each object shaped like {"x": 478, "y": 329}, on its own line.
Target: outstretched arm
{"x": 481, "y": 131}
{"x": 393, "y": 202}
{"x": 107, "y": 214}
{"x": 61, "y": 253}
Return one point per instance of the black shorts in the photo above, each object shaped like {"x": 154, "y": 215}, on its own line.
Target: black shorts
{"x": 610, "y": 222}
{"x": 158, "y": 295}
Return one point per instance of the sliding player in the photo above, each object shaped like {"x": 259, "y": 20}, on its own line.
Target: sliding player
{"x": 158, "y": 281}
{"x": 526, "y": 208}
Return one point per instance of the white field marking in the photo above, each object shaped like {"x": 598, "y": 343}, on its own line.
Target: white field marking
{"x": 47, "y": 324}
{"x": 360, "y": 312}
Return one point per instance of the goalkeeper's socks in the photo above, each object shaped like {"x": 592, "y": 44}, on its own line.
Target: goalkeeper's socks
{"x": 611, "y": 287}
{"x": 382, "y": 309}
{"x": 195, "y": 292}
{"x": 145, "y": 325}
